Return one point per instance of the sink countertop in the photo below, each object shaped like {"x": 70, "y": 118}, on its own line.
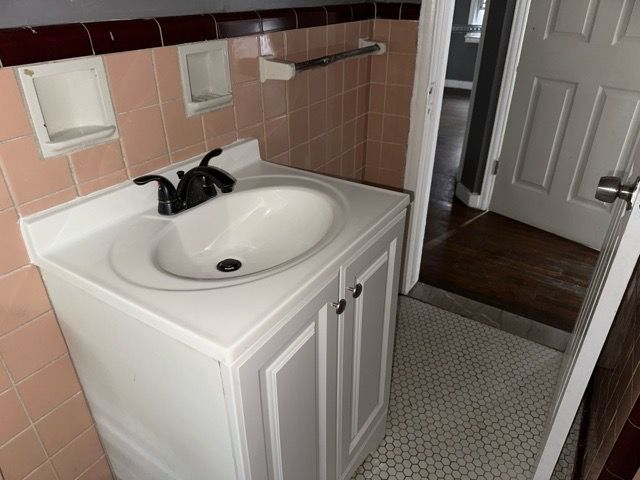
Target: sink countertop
{"x": 74, "y": 241}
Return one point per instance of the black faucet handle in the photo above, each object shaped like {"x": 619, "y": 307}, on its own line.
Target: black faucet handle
{"x": 212, "y": 154}
{"x": 168, "y": 201}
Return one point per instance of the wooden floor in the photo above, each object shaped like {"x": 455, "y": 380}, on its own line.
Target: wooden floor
{"x": 491, "y": 258}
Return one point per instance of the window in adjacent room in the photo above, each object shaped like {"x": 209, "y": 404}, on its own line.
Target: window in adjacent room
{"x": 476, "y": 15}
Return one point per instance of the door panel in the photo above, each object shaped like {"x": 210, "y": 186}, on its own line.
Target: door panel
{"x": 573, "y": 117}
{"x": 292, "y": 418}
{"x": 369, "y": 335}
{"x": 288, "y": 395}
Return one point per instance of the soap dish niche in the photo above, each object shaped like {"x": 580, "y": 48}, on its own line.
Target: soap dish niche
{"x": 69, "y": 104}
{"x": 204, "y": 71}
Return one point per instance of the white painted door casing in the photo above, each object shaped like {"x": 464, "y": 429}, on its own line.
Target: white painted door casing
{"x": 365, "y": 348}
{"x": 574, "y": 116}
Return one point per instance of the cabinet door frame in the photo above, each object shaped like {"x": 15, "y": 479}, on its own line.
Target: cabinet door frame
{"x": 253, "y": 396}
{"x": 353, "y": 446}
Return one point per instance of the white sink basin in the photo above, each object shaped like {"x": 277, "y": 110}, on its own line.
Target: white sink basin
{"x": 264, "y": 226}
{"x": 247, "y": 232}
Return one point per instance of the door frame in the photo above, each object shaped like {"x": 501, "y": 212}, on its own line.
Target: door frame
{"x": 434, "y": 35}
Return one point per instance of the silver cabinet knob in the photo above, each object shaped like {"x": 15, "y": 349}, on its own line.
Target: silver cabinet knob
{"x": 340, "y": 306}
{"x": 355, "y": 291}
{"x": 611, "y": 188}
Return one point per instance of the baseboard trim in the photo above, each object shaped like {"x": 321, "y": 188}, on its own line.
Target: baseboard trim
{"x": 473, "y": 200}
{"x": 462, "y": 84}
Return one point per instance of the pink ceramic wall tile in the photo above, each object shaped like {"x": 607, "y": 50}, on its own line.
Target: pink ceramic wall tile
{"x": 299, "y": 127}
{"x": 298, "y": 92}
{"x": 12, "y": 251}
{"x": 49, "y": 201}
{"x": 29, "y": 176}
{"x": 21, "y": 455}
{"x": 43, "y": 472}
{"x": 101, "y": 183}
{"x": 221, "y": 140}
{"x": 243, "y": 59}
{"x": 13, "y": 116}
{"x": 197, "y": 150}
{"x": 49, "y": 387}
{"x": 98, "y": 471}
{"x": 22, "y": 298}
{"x": 63, "y": 424}
{"x": 277, "y": 136}
{"x": 78, "y": 455}
{"x": 296, "y": 45}
{"x": 148, "y": 166}
{"x": 248, "y": 104}
{"x": 132, "y": 80}
{"x": 219, "y": 122}
{"x": 142, "y": 135}
{"x": 181, "y": 131}
{"x": 167, "y": 72}
{"x": 274, "y": 98}
{"x": 97, "y": 161}
{"x": 28, "y": 349}
{"x": 13, "y": 418}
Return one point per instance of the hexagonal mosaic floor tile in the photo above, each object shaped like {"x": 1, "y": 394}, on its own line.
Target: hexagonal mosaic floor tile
{"x": 467, "y": 401}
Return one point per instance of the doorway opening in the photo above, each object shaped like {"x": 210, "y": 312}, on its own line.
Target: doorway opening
{"x": 473, "y": 257}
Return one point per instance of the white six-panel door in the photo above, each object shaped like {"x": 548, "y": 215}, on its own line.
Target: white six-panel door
{"x": 574, "y": 116}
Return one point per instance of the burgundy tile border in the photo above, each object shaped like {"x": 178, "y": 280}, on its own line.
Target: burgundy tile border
{"x": 278, "y": 19}
{"x": 409, "y": 11}
{"x": 124, "y": 35}
{"x": 338, "y": 14}
{"x": 311, "y": 16}
{"x": 237, "y": 24}
{"x": 388, "y": 10}
{"x": 363, "y": 11}
{"x": 24, "y": 45}
{"x": 187, "y": 29}
{"x": 19, "y": 46}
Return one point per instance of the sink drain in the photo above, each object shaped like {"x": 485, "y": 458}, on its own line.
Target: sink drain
{"x": 229, "y": 265}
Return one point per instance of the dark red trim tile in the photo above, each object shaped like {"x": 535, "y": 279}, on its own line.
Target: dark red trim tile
{"x": 363, "y": 11}
{"x": 124, "y": 35}
{"x": 338, "y": 14}
{"x": 624, "y": 458}
{"x": 311, "y": 17}
{"x": 410, "y": 11}
{"x": 278, "y": 19}
{"x": 388, "y": 10}
{"x": 187, "y": 29}
{"x": 19, "y": 46}
{"x": 237, "y": 24}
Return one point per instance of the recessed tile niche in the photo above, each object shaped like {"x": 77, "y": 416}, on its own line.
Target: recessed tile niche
{"x": 69, "y": 104}
{"x": 204, "y": 70}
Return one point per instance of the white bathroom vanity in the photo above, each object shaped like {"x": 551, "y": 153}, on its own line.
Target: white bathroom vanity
{"x": 194, "y": 374}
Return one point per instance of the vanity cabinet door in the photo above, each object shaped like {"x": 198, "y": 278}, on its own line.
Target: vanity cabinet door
{"x": 289, "y": 391}
{"x": 370, "y": 285}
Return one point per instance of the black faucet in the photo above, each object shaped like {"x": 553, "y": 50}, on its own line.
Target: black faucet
{"x": 195, "y": 187}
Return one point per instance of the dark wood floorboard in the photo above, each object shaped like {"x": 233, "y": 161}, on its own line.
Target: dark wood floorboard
{"x": 491, "y": 258}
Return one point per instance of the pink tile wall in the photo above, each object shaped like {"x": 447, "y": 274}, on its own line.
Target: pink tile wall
{"x": 615, "y": 383}
{"x": 349, "y": 120}
{"x": 391, "y": 90}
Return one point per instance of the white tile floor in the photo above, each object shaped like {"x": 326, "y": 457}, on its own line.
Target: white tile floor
{"x": 467, "y": 401}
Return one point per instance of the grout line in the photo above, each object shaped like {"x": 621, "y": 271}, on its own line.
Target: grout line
{"x": 27, "y": 323}
{"x": 93, "y": 465}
